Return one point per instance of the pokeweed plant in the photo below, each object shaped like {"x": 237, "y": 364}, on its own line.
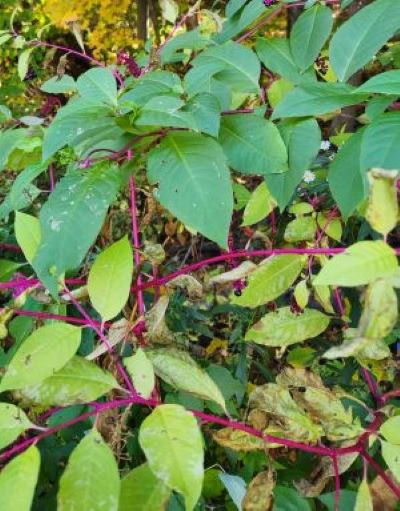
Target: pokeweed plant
{"x": 225, "y": 131}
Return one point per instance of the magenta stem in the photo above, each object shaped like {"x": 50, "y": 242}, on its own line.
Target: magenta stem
{"x": 136, "y": 245}
{"x": 373, "y": 388}
{"x": 51, "y": 177}
{"x": 381, "y": 472}
{"x": 337, "y": 481}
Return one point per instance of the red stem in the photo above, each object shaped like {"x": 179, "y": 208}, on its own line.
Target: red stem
{"x": 380, "y": 471}
{"x": 337, "y": 481}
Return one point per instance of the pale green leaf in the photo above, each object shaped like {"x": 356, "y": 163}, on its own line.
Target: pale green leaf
{"x": 357, "y": 41}
{"x": 43, "y": 353}
{"x": 141, "y": 490}
{"x": 270, "y": 280}
{"x": 283, "y": 327}
{"x": 391, "y": 455}
{"x": 169, "y": 10}
{"x": 364, "y": 499}
{"x": 91, "y": 479}
{"x": 383, "y": 83}
{"x": 330, "y": 225}
{"x": 110, "y": 279}
{"x": 278, "y": 90}
{"x": 302, "y": 228}
{"x": 27, "y": 233}
{"x": 98, "y": 84}
{"x": 179, "y": 370}
{"x": 58, "y": 85}
{"x": 360, "y": 264}
{"x": 23, "y": 62}
{"x": 18, "y": 480}
{"x": 79, "y": 381}
{"x": 141, "y": 371}
{"x": 301, "y": 294}
{"x": 260, "y": 205}
{"x": 13, "y": 422}
{"x": 171, "y": 440}
{"x": 390, "y": 429}
{"x": 236, "y": 488}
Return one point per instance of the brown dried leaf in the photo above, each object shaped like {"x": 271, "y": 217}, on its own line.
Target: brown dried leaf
{"x": 189, "y": 284}
{"x": 259, "y": 494}
{"x": 238, "y": 440}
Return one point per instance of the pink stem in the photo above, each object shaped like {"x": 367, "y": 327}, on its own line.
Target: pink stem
{"x": 373, "y": 388}
{"x": 57, "y": 317}
{"x": 390, "y": 395}
{"x": 51, "y": 177}
{"x": 136, "y": 245}
{"x": 337, "y": 481}
{"x": 10, "y": 247}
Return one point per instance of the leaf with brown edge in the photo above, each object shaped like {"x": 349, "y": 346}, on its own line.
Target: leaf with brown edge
{"x": 259, "y": 494}
{"x": 238, "y": 440}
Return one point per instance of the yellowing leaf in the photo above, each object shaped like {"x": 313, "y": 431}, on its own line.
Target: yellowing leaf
{"x": 260, "y": 205}
{"x": 283, "y": 327}
{"x": 243, "y": 270}
{"x": 178, "y": 369}
{"x": 270, "y": 280}
{"x": 169, "y": 9}
{"x": 27, "y": 232}
{"x": 141, "y": 371}
{"x": 238, "y": 440}
{"x": 331, "y": 226}
{"x": 391, "y": 455}
{"x": 323, "y": 296}
{"x": 390, "y": 429}
{"x": 302, "y": 228}
{"x": 260, "y": 492}
{"x": 110, "y": 279}
{"x": 383, "y": 210}
{"x": 171, "y": 440}
{"x": 360, "y": 264}
{"x": 301, "y": 294}
{"x": 13, "y": 422}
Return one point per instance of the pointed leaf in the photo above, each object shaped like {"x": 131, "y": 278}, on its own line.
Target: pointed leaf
{"x": 391, "y": 455}
{"x": 384, "y": 131}
{"x": 27, "y": 233}
{"x": 390, "y": 429}
{"x": 141, "y": 371}
{"x": 23, "y": 62}
{"x": 98, "y": 84}
{"x": 364, "y": 499}
{"x": 13, "y": 422}
{"x": 58, "y": 85}
{"x": 260, "y": 492}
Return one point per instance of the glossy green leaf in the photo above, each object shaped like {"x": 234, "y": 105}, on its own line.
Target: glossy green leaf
{"x": 13, "y": 422}
{"x": 58, "y": 85}
{"x": 303, "y": 139}
{"x": 252, "y": 144}
{"x": 98, "y": 84}
{"x": 79, "y": 381}
{"x": 360, "y": 264}
{"x": 110, "y": 279}
{"x": 357, "y": 41}
{"x": 178, "y": 369}
{"x": 141, "y": 371}
{"x": 27, "y": 233}
{"x": 192, "y": 186}
{"x": 364, "y": 499}
{"x": 91, "y": 478}
{"x": 309, "y": 34}
{"x": 171, "y": 440}
{"x": 383, "y": 132}
{"x": 270, "y": 280}
{"x": 43, "y": 353}
{"x": 283, "y": 327}
{"x": 260, "y": 205}
{"x": 390, "y": 429}
{"x": 18, "y": 481}
{"x": 383, "y": 83}
{"x": 140, "y": 490}
{"x": 317, "y": 99}
{"x": 391, "y": 455}
{"x": 71, "y": 219}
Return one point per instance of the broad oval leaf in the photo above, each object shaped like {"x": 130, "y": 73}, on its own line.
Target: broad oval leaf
{"x": 391, "y": 455}
{"x": 270, "y": 280}
{"x": 91, "y": 479}
{"x": 359, "y": 39}
{"x": 98, "y": 84}
{"x": 110, "y": 279}
{"x": 383, "y": 83}
{"x": 141, "y": 371}
{"x": 43, "y": 353}
{"x": 283, "y": 327}
{"x": 390, "y": 429}
{"x": 383, "y": 132}
{"x": 309, "y": 34}
{"x": 252, "y": 144}
{"x": 13, "y": 422}
{"x": 18, "y": 480}
{"x": 79, "y": 381}
{"x": 260, "y": 205}
{"x": 56, "y": 85}
{"x": 179, "y": 370}
{"x": 27, "y": 232}
{"x": 360, "y": 264}
{"x": 141, "y": 490}
{"x": 171, "y": 440}
{"x": 194, "y": 183}
{"x": 302, "y": 228}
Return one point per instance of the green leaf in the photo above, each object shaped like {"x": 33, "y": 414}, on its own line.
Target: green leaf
{"x": 303, "y": 141}
{"x": 357, "y": 41}
{"x": 91, "y": 479}
{"x": 309, "y": 35}
{"x": 380, "y": 143}
{"x": 141, "y": 490}
{"x": 27, "y": 233}
{"x": 278, "y": 90}
{"x": 194, "y": 183}
{"x": 270, "y": 280}
{"x": 165, "y": 111}
{"x": 364, "y": 499}
{"x": 71, "y": 220}
{"x": 302, "y": 228}
{"x": 43, "y": 353}
{"x": 346, "y": 169}
{"x": 205, "y": 110}
{"x": 110, "y": 279}
{"x": 141, "y": 371}
{"x": 178, "y": 369}
{"x": 152, "y": 85}
{"x": 236, "y": 488}
{"x": 276, "y": 56}
{"x": 172, "y": 51}
{"x": 391, "y": 455}
{"x": 79, "y": 381}
{"x": 360, "y": 264}
{"x": 283, "y": 327}
{"x": 252, "y": 144}
{"x": 288, "y": 499}
{"x": 13, "y": 422}
{"x": 301, "y": 294}
{"x": 383, "y": 210}
{"x": 9, "y": 140}
{"x": 169, "y": 10}
{"x": 171, "y": 440}
{"x": 98, "y": 84}
{"x": 383, "y": 83}
{"x": 7, "y": 269}
{"x": 260, "y": 205}
{"x": 330, "y": 225}
{"x": 18, "y": 480}
{"x": 317, "y": 99}
{"x": 56, "y": 85}
{"x": 390, "y": 429}
{"x": 23, "y": 62}
{"x": 241, "y": 19}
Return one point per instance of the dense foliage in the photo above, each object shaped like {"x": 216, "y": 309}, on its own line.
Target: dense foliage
{"x": 199, "y": 266}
